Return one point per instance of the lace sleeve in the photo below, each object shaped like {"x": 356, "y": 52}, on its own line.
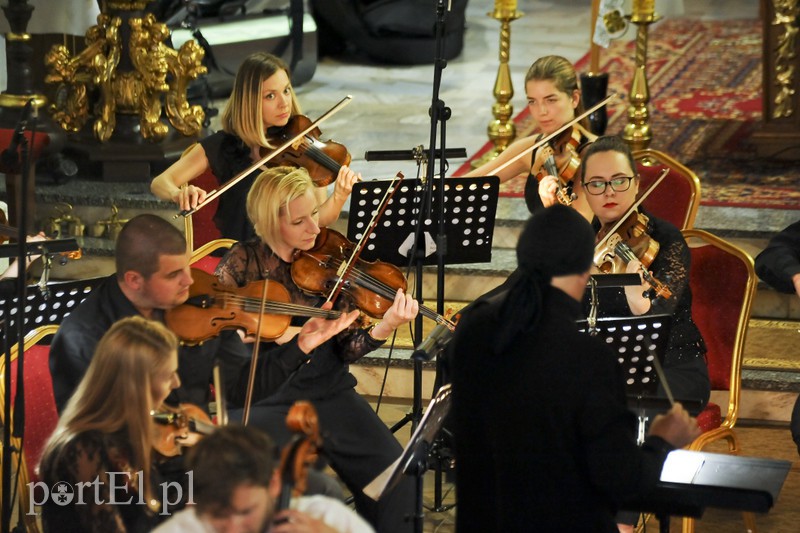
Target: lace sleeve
{"x": 234, "y": 269}
{"x": 671, "y": 267}
{"x": 87, "y": 462}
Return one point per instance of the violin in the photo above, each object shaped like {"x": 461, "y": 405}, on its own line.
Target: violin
{"x": 629, "y": 241}
{"x": 559, "y": 158}
{"x": 372, "y": 284}
{"x": 212, "y": 307}
{"x": 322, "y": 159}
{"x": 300, "y": 452}
{"x": 175, "y": 424}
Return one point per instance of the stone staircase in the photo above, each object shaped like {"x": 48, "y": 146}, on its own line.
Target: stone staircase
{"x": 769, "y": 392}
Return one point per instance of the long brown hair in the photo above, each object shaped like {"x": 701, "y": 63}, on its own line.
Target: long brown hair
{"x": 115, "y": 394}
{"x": 242, "y": 114}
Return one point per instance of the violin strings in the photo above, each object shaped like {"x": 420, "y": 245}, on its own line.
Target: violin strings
{"x": 277, "y": 307}
{"x": 322, "y": 158}
{"x": 385, "y": 290}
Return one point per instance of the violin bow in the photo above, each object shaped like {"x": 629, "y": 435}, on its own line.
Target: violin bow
{"x": 631, "y": 209}
{"x": 347, "y": 266}
{"x": 556, "y": 133}
{"x": 246, "y": 172}
{"x": 251, "y": 378}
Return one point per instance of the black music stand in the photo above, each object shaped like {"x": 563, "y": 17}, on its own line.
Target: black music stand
{"x": 637, "y": 342}
{"x": 414, "y": 459}
{"x": 690, "y": 481}
{"x": 469, "y": 211}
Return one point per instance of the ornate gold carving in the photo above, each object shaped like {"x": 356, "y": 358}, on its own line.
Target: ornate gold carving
{"x": 157, "y": 70}
{"x": 786, "y": 14}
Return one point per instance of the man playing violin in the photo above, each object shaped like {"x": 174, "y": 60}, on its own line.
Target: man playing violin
{"x": 153, "y": 275}
{"x": 611, "y": 186}
{"x": 236, "y": 488}
{"x": 262, "y": 102}
{"x": 554, "y": 99}
{"x": 284, "y": 210}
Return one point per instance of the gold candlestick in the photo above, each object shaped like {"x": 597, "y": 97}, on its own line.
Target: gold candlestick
{"x": 501, "y": 130}
{"x": 637, "y": 131}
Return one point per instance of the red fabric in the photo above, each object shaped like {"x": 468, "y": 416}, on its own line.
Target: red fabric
{"x": 669, "y": 201}
{"x": 716, "y": 303}
{"x": 41, "y": 415}
{"x": 203, "y": 228}
{"x": 36, "y": 149}
{"x": 710, "y": 418}
{"x": 207, "y": 264}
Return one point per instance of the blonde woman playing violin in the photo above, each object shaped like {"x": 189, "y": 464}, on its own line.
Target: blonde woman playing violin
{"x": 285, "y": 213}
{"x": 610, "y": 185}
{"x": 554, "y": 99}
{"x": 262, "y": 102}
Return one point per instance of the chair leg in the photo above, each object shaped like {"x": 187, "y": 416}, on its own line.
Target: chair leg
{"x": 687, "y": 525}
{"x": 750, "y": 522}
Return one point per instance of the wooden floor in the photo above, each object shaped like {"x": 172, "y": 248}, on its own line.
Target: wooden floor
{"x": 772, "y": 442}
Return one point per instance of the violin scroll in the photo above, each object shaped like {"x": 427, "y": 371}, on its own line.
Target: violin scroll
{"x": 301, "y": 451}
{"x": 175, "y": 426}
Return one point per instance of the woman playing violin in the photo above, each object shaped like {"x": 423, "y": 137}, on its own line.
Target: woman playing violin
{"x": 284, "y": 210}
{"x": 610, "y": 186}
{"x": 554, "y": 99}
{"x": 106, "y": 427}
{"x": 261, "y": 104}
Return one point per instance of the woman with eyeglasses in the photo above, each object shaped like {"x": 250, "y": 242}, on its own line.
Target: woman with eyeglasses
{"x": 611, "y": 185}
{"x": 554, "y": 99}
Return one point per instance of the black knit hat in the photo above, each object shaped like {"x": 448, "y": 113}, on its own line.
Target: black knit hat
{"x": 556, "y": 242}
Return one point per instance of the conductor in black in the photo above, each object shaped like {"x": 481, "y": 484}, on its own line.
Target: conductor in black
{"x": 544, "y": 440}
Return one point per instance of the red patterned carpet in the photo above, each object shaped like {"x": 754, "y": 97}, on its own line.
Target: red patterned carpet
{"x": 705, "y": 86}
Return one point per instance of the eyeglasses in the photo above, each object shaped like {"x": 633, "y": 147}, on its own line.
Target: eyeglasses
{"x": 620, "y": 184}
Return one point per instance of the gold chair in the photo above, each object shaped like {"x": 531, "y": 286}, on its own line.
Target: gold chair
{"x": 41, "y": 415}
{"x": 677, "y": 198}
{"x": 723, "y": 283}
{"x": 202, "y": 258}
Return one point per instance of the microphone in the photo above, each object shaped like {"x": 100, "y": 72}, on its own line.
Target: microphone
{"x": 10, "y": 156}
{"x": 433, "y": 343}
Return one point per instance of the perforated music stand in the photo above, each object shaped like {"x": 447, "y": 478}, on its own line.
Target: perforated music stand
{"x": 470, "y": 209}
{"x": 637, "y": 342}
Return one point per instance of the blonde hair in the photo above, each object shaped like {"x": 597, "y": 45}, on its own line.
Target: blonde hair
{"x": 242, "y": 114}
{"x": 560, "y": 71}
{"x": 115, "y": 394}
{"x": 271, "y": 192}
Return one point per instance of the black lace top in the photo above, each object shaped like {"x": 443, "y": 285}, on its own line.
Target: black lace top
{"x": 88, "y": 459}
{"x": 288, "y": 373}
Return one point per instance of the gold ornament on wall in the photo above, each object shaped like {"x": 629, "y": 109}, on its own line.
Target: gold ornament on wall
{"x": 786, "y": 15}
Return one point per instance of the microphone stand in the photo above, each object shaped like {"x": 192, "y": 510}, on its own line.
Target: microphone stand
{"x": 439, "y": 114}
{"x": 19, "y": 403}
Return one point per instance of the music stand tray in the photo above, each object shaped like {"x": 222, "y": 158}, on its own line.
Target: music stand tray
{"x": 470, "y": 209}
{"x": 423, "y": 437}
